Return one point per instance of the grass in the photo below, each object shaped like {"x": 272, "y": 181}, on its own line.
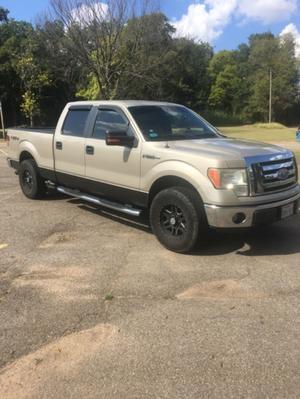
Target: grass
{"x": 261, "y": 132}
{"x": 273, "y": 125}
{"x": 276, "y": 133}
{"x": 108, "y": 297}
{"x": 297, "y": 153}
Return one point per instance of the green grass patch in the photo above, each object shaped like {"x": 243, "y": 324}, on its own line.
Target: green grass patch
{"x": 273, "y": 125}
{"x": 257, "y": 132}
{"x": 108, "y": 297}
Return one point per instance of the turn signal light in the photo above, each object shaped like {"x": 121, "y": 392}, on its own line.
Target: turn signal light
{"x": 215, "y": 177}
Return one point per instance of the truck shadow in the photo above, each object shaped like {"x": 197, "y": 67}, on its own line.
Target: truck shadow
{"x": 281, "y": 238}
{"x": 140, "y": 223}
{"x": 53, "y": 195}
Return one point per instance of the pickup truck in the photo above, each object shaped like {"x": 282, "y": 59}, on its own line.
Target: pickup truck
{"x": 162, "y": 158}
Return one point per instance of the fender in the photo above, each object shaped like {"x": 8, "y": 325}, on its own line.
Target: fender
{"x": 28, "y": 147}
{"x": 179, "y": 169}
{"x": 43, "y": 157}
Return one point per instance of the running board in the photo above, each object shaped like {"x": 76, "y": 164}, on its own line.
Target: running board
{"x": 101, "y": 202}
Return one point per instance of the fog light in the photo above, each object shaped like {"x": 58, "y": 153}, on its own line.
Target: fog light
{"x": 239, "y": 218}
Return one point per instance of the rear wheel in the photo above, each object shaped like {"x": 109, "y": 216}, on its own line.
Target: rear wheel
{"x": 177, "y": 218}
{"x": 32, "y": 185}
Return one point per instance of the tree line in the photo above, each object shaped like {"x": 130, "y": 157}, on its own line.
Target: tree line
{"x": 129, "y": 50}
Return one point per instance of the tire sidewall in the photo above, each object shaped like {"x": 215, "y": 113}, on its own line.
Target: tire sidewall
{"x": 184, "y": 199}
{"x": 29, "y": 165}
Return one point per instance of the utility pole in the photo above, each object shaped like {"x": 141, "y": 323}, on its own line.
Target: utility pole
{"x": 270, "y": 97}
{"x": 2, "y": 120}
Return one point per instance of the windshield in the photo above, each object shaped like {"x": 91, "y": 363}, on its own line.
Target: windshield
{"x": 171, "y": 122}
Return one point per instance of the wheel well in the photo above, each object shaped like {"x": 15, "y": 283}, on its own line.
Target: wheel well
{"x": 25, "y": 155}
{"x": 168, "y": 182}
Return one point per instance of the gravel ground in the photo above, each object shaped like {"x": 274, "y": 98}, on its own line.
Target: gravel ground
{"x": 91, "y": 306}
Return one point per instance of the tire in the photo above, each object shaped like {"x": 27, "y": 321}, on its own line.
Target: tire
{"x": 177, "y": 218}
{"x": 32, "y": 185}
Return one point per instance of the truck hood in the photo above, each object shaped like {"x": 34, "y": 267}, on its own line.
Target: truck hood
{"x": 231, "y": 151}
{"x": 231, "y": 148}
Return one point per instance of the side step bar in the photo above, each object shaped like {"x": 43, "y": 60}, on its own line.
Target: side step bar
{"x": 99, "y": 201}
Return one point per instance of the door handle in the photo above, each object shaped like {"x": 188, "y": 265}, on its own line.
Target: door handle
{"x": 89, "y": 150}
{"x": 59, "y": 145}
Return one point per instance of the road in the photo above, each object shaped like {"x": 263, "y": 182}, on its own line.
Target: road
{"x": 91, "y": 306}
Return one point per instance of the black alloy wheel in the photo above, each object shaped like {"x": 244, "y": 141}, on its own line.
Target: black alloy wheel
{"x": 173, "y": 220}
{"x": 32, "y": 185}
{"x": 177, "y": 218}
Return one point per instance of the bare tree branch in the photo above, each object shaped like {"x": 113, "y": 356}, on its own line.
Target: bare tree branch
{"x": 95, "y": 33}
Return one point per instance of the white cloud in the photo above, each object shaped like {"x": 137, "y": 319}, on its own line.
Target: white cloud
{"x": 291, "y": 29}
{"x": 85, "y": 13}
{"x": 207, "y": 19}
{"x": 267, "y": 11}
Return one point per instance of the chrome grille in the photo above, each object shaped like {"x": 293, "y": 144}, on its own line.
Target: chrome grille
{"x": 274, "y": 175}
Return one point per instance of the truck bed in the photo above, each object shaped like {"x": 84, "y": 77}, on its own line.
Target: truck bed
{"x": 45, "y": 130}
{"x": 36, "y": 141}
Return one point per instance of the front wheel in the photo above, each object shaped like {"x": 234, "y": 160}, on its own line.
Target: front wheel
{"x": 32, "y": 185}
{"x": 177, "y": 218}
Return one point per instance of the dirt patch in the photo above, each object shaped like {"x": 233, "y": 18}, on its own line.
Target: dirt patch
{"x": 70, "y": 283}
{"x": 221, "y": 289}
{"x": 33, "y": 375}
{"x": 61, "y": 237}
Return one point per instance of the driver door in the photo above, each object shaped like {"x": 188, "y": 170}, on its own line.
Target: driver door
{"x": 112, "y": 167}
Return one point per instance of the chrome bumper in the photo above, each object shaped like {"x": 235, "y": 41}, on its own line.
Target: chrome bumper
{"x": 223, "y": 216}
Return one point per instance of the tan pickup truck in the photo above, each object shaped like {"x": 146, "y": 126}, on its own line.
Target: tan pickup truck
{"x": 134, "y": 156}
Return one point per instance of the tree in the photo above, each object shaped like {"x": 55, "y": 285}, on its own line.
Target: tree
{"x": 144, "y": 52}
{"x": 95, "y": 35}
{"x": 268, "y": 52}
{"x": 3, "y": 14}
{"x": 186, "y": 73}
{"x": 34, "y": 77}
{"x": 12, "y": 36}
{"x": 226, "y": 82}
{"x": 240, "y": 80}
{"x": 63, "y": 69}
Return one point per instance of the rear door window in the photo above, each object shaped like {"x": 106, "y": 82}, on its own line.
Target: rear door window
{"x": 75, "y": 122}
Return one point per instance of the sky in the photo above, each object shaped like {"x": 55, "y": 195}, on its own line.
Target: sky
{"x": 223, "y": 23}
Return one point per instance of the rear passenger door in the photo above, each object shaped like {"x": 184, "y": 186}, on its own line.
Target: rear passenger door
{"x": 112, "y": 165}
{"x": 69, "y": 146}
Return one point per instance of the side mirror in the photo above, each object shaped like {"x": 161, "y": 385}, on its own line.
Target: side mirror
{"x": 119, "y": 138}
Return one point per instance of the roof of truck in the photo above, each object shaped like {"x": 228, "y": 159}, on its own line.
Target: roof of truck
{"x": 126, "y": 103}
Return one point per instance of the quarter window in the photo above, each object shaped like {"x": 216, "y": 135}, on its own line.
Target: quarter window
{"x": 108, "y": 119}
{"x": 75, "y": 121}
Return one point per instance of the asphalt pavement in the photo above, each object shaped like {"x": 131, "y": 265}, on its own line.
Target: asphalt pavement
{"x": 92, "y": 306}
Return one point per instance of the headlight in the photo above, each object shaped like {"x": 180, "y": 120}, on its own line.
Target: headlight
{"x": 230, "y": 179}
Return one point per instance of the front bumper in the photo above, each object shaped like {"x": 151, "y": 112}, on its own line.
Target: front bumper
{"x": 232, "y": 217}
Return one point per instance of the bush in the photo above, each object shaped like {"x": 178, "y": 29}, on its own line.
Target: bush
{"x": 273, "y": 125}
{"x": 220, "y": 118}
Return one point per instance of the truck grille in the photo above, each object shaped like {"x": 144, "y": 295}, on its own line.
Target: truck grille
{"x": 277, "y": 175}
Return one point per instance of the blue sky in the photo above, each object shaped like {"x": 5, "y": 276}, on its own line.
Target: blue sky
{"x": 224, "y": 23}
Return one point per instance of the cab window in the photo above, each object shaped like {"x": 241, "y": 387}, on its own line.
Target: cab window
{"x": 108, "y": 119}
{"x": 74, "y": 124}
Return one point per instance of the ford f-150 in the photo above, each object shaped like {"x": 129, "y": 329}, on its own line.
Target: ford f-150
{"x": 134, "y": 156}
